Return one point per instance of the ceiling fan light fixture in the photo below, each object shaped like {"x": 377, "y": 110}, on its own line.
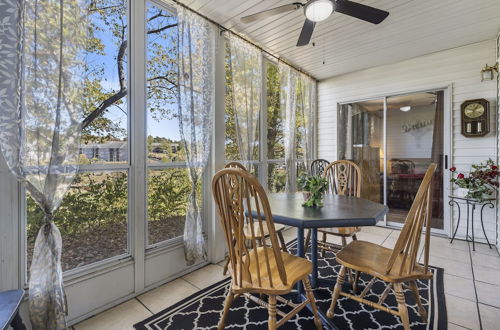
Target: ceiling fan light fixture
{"x": 318, "y": 10}
{"x": 405, "y": 108}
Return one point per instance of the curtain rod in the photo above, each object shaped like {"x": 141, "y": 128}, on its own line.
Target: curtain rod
{"x": 224, "y": 29}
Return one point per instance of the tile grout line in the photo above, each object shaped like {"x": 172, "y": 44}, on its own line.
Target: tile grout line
{"x": 475, "y": 289}
{"x": 140, "y": 302}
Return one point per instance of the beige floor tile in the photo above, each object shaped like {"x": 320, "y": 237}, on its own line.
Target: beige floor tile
{"x": 452, "y": 267}
{"x": 444, "y": 242}
{"x": 377, "y": 230}
{"x": 462, "y": 312}
{"x": 121, "y": 317}
{"x": 205, "y": 276}
{"x": 487, "y": 261}
{"x": 450, "y": 254}
{"x": 166, "y": 295}
{"x": 484, "y": 249}
{"x": 459, "y": 286}
{"x": 488, "y": 294}
{"x": 453, "y": 326}
{"x": 487, "y": 274}
{"x": 371, "y": 237}
{"x": 490, "y": 317}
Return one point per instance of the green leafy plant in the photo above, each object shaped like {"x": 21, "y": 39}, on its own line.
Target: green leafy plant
{"x": 481, "y": 181}
{"x": 315, "y": 187}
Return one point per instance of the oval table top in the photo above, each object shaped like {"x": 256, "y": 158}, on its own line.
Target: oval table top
{"x": 337, "y": 211}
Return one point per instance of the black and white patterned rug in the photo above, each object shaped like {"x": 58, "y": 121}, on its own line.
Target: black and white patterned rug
{"x": 202, "y": 310}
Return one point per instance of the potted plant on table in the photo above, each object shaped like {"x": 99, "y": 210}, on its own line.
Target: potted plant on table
{"x": 481, "y": 183}
{"x": 314, "y": 187}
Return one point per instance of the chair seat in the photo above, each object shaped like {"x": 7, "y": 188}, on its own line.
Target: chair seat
{"x": 340, "y": 231}
{"x": 247, "y": 230}
{"x": 296, "y": 269}
{"x": 372, "y": 259}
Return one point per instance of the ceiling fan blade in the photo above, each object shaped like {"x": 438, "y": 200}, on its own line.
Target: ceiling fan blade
{"x": 363, "y": 12}
{"x": 271, "y": 12}
{"x": 306, "y": 33}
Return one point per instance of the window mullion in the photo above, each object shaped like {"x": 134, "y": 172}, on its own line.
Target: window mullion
{"x": 137, "y": 106}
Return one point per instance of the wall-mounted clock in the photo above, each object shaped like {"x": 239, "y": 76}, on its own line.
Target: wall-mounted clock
{"x": 475, "y": 118}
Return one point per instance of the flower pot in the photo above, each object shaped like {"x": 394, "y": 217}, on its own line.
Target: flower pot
{"x": 461, "y": 192}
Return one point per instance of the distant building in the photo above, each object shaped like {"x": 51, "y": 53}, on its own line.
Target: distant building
{"x": 116, "y": 151}
{"x": 159, "y": 148}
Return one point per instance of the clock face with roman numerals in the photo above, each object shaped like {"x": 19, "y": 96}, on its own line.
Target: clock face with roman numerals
{"x": 474, "y": 110}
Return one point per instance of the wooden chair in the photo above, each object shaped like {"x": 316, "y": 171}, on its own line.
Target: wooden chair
{"x": 344, "y": 178}
{"x": 396, "y": 266}
{"x": 318, "y": 166}
{"x": 261, "y": 236}
{"x": 254, "y": 269}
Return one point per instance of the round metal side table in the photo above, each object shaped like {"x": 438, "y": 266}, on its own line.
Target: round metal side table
{"x": 471, "y": 207}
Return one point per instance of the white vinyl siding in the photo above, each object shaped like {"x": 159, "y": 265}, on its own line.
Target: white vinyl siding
{"x": 458, "y": 68}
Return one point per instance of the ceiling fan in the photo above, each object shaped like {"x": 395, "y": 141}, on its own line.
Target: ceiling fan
{"x": 319, "y": 10}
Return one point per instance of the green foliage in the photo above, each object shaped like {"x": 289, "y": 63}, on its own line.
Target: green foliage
{"x": 101, "y": 199}
{"x": 168, "y": 193}
{"x": 316, "y": 186}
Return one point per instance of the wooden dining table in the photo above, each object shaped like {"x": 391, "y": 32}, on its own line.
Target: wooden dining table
{"x": 337, "y": 211}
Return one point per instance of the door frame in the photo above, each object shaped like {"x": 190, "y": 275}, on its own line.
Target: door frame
{"x": 447, "y": 149}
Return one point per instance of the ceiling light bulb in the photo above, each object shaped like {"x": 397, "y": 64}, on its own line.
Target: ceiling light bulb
{"x": 318, "y": 10}
{"x": 405, "y": 108}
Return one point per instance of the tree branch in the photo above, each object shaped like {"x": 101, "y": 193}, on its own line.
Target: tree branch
{"x": 163, "y": 28}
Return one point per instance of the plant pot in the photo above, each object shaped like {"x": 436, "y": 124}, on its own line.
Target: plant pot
{"x": 461, "y": 192}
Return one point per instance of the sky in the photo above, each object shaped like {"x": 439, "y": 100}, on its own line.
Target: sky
{"x": 167, "y": 128}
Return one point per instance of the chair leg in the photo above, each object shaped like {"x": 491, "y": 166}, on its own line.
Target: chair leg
{"x": 323, "y": 250}
{"x": 312, "y": 302}
{"x": 344, "y": 242}
{"x": 421, "y": 309}
{"x": 356, "y": 280}
{"x": 282, "y": 241}
{"x": 308, "y": 241}
{"x": 272, "y": 313}
{"x": 354, "y": 237}
{"x": 226, "y": 266}
{"x": 336, "y": 291}
{"x": 403, "y": 310}
{"x": 227, "y": 305}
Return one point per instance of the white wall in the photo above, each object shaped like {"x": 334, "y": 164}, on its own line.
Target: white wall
{"x": 458, "y": 67}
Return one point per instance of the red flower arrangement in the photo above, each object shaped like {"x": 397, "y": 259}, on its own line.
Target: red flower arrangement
{"x": 481, "y": 182}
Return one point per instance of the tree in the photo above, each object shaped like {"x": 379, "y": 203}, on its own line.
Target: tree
{"x": 106, "y": 88}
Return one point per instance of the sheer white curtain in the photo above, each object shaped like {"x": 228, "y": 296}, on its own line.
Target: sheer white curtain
{"x": 196, "y": 111}
{"x": 298, "y": 105}
{"x": 41, "y": 106}
{"x": 288, "y": 99}
{"x": 308, "y": 104}
{"x": 246, "y": 72}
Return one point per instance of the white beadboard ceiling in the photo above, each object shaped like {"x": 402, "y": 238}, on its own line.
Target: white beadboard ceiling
{"x": 345, "y": 44}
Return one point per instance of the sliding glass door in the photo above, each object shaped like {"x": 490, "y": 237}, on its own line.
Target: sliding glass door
{"x": 394, "y": 139}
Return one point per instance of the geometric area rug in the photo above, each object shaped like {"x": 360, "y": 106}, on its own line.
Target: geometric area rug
{"x": 203, "y": 309}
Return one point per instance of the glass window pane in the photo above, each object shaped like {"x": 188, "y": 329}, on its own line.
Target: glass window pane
{"x": 105, "y": 124}
{"x": 412, "y": 144}
{"x": 361, "y": 140}
{"x": 161, "y": 72}
{"x": 275, "y": 128}
{"x": 168, "y": 194}
{"x": 276, "y": 179}
{"x": 92, "y": 219}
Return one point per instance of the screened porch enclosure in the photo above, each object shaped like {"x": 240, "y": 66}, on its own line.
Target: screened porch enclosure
{"x": 117, "y": 115}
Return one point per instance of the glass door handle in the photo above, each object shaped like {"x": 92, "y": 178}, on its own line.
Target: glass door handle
{"x": 445, "y": 162}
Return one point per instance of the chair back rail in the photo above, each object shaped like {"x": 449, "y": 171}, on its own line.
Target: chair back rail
{"x": 238, "y": 195}
{"x": 344, "y": 178}
{"x": 236, "y": 165}
{"x": 318, "y": 166}
{"x": 408, "y": 242}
